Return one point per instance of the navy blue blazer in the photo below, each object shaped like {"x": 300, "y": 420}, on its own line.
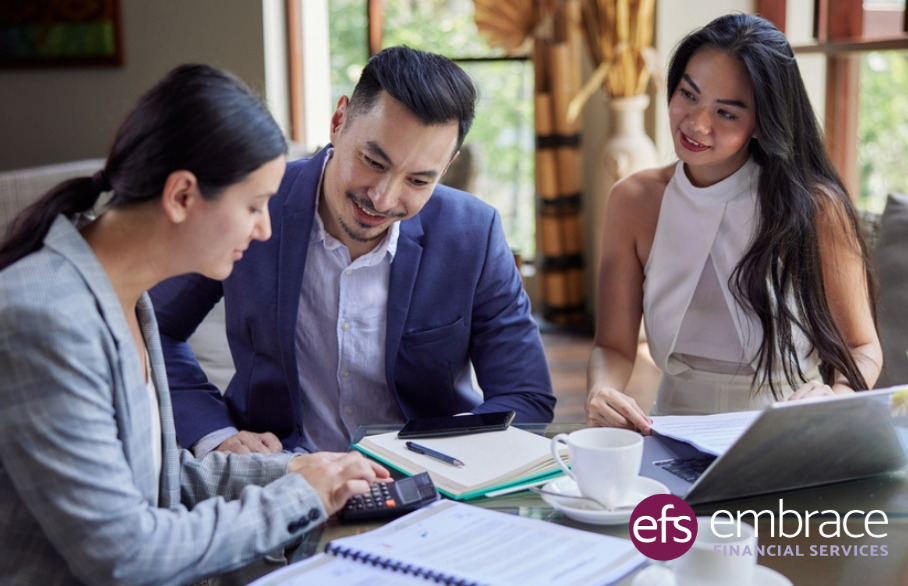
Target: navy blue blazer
{"x": 455, "y": 297}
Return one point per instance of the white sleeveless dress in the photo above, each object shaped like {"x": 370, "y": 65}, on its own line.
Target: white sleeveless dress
{"x": 704, "y": 342}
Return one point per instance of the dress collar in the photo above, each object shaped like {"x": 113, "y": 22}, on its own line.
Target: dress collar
{"x": 738, "y": 183}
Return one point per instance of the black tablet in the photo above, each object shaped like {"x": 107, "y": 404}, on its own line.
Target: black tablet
{"x": 456, "y": 424}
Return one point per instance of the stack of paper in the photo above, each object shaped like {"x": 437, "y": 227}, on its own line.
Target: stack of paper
{"x": 492, "y": 460}
{"x": 712, "y": 434}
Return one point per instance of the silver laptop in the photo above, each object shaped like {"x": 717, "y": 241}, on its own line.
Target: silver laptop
{"x": 789, "y": 446}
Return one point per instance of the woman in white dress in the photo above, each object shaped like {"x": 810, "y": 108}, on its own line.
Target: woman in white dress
{"x": 745, "y": 259}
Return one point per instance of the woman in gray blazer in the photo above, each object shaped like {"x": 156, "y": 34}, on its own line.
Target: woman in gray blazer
{"x": 93, "y": 487}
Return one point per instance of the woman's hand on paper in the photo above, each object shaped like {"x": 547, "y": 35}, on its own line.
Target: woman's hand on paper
{"x": 608, "y": 407}
{"x": 337, "y": 476}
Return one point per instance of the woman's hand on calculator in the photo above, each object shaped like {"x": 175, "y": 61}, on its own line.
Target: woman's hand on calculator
{"x": 390, "y": 499}
{"x": 338, "y": 476}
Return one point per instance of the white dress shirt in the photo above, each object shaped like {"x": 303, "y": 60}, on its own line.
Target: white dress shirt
{"x": 340, "y": 340}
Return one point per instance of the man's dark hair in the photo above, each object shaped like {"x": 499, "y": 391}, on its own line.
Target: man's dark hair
{"x": 431, "y": 86}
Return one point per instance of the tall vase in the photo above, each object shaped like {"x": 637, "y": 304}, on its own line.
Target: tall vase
{"x": 625, "y": 150}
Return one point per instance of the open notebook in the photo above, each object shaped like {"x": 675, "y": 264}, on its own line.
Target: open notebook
{"x": 492, "y": 460}
{"x": 456, "y": 543}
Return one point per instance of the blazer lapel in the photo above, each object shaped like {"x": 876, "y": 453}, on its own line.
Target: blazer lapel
{"x": 66, "y": 240}
{"x": 169, "y": 486}
{"x": 404, "y": 269}
{"x": 297, "y": 215}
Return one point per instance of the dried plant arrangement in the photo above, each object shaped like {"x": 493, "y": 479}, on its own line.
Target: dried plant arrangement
{"x": 618, "y": 35}
{"x": 511, "y": 24}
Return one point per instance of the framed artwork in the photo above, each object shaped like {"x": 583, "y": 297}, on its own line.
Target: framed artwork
{"x": 60, "y": 33}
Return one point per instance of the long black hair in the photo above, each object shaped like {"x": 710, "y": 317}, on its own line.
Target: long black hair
{"x": 780, "y": 277}
{"x": 197, "y": 118}
{"x": 434, "y": 88}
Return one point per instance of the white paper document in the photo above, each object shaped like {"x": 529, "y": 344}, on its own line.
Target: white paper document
{"x": 712, "y": 434}
{"x": 450, "y": 542}
{"x": 489, "y": 547}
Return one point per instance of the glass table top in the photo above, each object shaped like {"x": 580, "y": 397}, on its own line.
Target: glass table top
{"x": 805, "y": 562}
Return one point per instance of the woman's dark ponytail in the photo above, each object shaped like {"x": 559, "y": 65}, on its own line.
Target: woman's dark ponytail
{"x": 101, "y": 181}
{"x": 27, "y": 231}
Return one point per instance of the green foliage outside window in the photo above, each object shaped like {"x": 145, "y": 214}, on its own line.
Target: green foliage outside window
{"x": 349, "y": 44}
{"x": 882, "y": 127}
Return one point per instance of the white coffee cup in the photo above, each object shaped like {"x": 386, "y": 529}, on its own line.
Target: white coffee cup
{"x": 605, "y": 462}
{"x": 729, "y": 557}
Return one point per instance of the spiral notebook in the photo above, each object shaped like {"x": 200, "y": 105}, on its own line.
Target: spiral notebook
{"x": 451, "y": 542}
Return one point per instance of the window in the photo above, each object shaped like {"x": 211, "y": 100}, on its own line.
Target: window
{"x": 863, "y": 47}
{"x": 503, "y": 135}
{"x": 882, "y": 127}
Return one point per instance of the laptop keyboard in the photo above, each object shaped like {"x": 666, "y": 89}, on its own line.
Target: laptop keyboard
{"x": 688, "y": 469}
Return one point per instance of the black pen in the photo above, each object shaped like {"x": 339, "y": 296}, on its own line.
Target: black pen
{"x": 414, "y": 447}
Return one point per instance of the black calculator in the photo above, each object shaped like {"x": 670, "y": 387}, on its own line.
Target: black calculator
{"x": 390, "y": 499}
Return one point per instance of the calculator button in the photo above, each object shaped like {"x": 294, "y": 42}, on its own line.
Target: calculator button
{"x": 390, "y": 503}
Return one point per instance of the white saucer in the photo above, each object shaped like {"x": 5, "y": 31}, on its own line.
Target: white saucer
{"x": 587, "y": 512}
{"x": 763, "y": 576}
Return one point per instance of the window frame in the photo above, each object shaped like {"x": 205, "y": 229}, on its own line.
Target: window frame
{"x": 841, "y": 37}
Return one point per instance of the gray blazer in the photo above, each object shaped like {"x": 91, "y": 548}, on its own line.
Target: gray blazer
{"x": 80, "y": 500}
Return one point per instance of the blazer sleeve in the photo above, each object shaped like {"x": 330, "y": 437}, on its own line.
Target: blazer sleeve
{"x": 180, "y": 304}
{"x": 74, "y": 485}
{"x": 506, "y": 350}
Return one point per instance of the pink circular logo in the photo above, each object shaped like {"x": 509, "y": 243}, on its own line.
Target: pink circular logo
{"x": 663, "y": 527}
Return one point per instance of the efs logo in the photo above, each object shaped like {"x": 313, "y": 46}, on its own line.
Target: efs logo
{"x": 663, "y": 527}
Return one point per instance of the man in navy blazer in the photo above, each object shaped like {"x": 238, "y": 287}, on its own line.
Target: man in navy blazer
{"x": 377, "y": 291}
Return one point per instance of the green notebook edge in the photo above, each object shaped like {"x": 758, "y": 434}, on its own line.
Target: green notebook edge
{"x": 468, "y": 495}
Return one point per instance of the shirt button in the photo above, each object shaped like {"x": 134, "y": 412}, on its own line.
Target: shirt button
{"x": 345, "y": 374}
{"x": 349, "y": 410}
{"x": 345, "y": 327}
{"x": 348, "y": 272}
